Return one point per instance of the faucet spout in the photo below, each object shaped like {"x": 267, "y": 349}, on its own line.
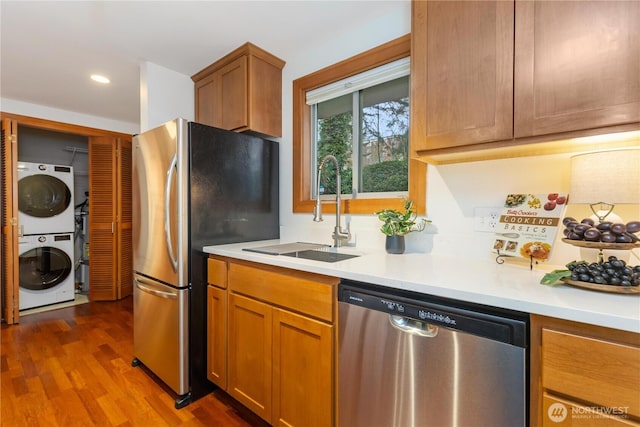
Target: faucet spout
{"x": 339, "y": 235}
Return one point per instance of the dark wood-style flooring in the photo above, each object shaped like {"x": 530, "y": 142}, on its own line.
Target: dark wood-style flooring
{"x": 72, "y": 367}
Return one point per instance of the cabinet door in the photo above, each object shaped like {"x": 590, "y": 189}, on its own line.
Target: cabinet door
{"x": 234, "y": 94}
{"x": 577, "y": 65}
{"x": 102, "y": 219}
{"x": 124, "y": 235}
{"x": 208, "y": 101}
{"x": 9, "y": 252}
{"x": 217, "y": 336}
{"x": 110, "y": 219}
{"x": 462, "y": 73}
{"x": 264, "y": 96}
{"x": 250, "y": 335}
{"x": 302, "y": 371}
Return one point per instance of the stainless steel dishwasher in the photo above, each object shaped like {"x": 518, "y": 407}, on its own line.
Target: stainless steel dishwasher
{"x": 407, "y": 359}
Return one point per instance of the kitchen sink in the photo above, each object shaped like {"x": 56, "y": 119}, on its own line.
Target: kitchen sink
{"x": 284, "y": 248}
{"x": 312, "y": 251}
{"x": 320, "y": 255}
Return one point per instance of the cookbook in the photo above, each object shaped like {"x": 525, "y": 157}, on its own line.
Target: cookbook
{"x": 528, "y": 225}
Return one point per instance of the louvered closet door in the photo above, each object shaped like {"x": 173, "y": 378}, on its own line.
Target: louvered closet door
{"x": 125, "y": 219}
{"x": 9, "y": 246}
{"x": 102, "y": 218}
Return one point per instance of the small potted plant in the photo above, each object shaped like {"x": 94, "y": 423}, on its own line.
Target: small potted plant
{"x": 397, "y": 224}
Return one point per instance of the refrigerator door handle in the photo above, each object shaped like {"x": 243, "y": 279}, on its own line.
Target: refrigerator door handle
{"x": 167, "y": 217}
{"x": 156, "y": 292}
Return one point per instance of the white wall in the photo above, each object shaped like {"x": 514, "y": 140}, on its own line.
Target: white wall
{"x": 42, "y": 112}
{"x": 164, "y": 95}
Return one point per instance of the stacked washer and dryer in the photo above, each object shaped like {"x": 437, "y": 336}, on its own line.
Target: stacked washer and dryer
{"x": 46, "y": 220}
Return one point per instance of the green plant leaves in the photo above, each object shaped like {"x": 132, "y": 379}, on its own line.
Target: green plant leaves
{"x": 399, "y": 223}
{"x": 554, "y": 277}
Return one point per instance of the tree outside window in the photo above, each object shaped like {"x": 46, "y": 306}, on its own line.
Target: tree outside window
{"x": 378, "y": 119}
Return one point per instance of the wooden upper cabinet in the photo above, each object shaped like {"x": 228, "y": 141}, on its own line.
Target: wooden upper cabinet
{"x": 241, "y": 92}
{"x": 234, "y": 113}
{"x": 462, "y": 73}
{"x": 208, "y": 106}
{"x": 494, "y": 79}
{"x": 577, "y": 65}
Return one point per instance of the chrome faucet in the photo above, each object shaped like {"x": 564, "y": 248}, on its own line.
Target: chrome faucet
{"x": 339, "y": 235}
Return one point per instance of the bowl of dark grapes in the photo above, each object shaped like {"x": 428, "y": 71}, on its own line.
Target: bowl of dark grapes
{"x": 611, "y": 275}
{"x": 602, "y": 235}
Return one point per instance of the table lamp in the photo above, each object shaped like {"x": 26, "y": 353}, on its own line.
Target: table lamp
{"x": 605, "y": 178}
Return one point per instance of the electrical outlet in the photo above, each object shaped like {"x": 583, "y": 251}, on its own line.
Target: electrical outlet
{"x": 486, "y": 219}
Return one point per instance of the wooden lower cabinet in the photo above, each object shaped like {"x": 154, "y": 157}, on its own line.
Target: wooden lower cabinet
{"x": 280, "y": 341}
{"x": 583, "y": 375}
{"x": 217, "y": 321}
{"x": 302, "y": 370}
{"x": 560, "y": 412}
{"x": 250, "y": 329}
{"x": 217, "y": 342}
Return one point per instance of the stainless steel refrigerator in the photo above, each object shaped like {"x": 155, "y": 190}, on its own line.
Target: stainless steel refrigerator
{"x": 193, "y": 186}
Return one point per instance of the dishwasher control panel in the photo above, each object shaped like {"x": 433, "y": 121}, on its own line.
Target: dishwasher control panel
{"x": 477, "y": 321}
{"x": 416, "y": 312}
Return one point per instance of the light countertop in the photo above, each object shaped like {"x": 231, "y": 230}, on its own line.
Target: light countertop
{"x": 510, "y": 285}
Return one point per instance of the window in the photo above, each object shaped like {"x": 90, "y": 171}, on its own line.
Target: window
{"x": 375, "y": 115}
{"x": 364, "y": 122}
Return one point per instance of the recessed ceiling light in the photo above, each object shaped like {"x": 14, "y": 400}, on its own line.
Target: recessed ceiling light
{"x": 100, "y": 79}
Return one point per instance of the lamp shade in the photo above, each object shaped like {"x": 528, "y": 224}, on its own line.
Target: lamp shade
{"x": 606, "y": 176}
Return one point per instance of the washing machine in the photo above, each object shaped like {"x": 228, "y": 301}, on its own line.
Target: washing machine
{"x": 45, "y": 198}
{"x": 46, "y": 272}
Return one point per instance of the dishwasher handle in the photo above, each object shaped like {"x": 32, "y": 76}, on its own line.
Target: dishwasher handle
{"x": 413, "y": 326}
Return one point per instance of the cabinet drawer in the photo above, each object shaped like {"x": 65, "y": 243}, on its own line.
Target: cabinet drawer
{"x": 217, "y": 273}
{"x": 286, "y": 288}
{"x": 591, "y": 370}
{"x": 558, "y": 412}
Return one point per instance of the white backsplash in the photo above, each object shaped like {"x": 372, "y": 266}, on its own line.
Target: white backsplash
{"x": 453, "y": 191}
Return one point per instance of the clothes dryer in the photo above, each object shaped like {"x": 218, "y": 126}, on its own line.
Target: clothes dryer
{"x": 45, "y": 198}
{"x": 46, "y": 273}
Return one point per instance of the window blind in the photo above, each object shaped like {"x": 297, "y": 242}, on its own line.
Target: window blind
{"x": 382, "y": 74}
